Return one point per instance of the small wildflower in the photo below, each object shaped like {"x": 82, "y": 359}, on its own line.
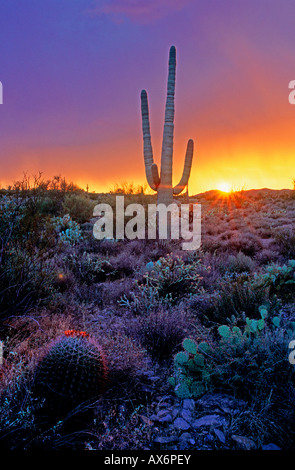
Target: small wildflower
{"x": 75, "y": 333}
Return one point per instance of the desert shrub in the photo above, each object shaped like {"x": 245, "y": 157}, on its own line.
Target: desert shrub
{"x": 126, "y": 360}
{"x": 67, "y": 229}
{"x": 114, "y": 290}
{"x": 161, "y": 332}
{"x": 87, "y": 294}
{"x": 278, "y": 279}
{"x": 285, "y": 240}
{"x": 164, "y": 283}
{"x": 253, "y": 359}
{"x": 250, "y": 362}
{"x": 11, "y": 214}
{"x": 264, "y": 232}
{"x": 156, "y": 249}
{"x": 17, "y": 417}
{"x": 26, "y": 334}
{"x": 255, "y": 367}
{"x": 240, "y": 263}
{"x": 210, "y": 243}
{"x": 142, "y": 300}
{"x": 49, "y": 206}
{"x": 106, "y": 248}
{"x": 79, "y": 207}
{"x": 236, "y": 295}
{"x": 22, "y": 225}
{"x": 232, "y": 241}
{"x": 248, "y": 243}
{"x": 267, "y": 256}
{"x": 172, "y": 278}
{"x": 125, "y": 263}
{"x": 25, "y": 281}
{"x": 203, "y": 305}
{"x": 87, "y": 268}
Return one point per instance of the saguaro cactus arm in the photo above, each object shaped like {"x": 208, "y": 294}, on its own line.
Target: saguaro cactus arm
{"x": 155, "y": 174}
{"x": 151, "y": 169}
{"x": 186, "y": 169}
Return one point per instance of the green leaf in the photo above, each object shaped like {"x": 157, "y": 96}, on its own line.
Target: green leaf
{"x": 276, "y": 321}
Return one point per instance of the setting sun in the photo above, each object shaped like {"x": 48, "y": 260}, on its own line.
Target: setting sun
{"x": 224, "y": 187}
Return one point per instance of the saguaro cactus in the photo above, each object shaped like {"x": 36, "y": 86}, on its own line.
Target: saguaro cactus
{"x": 163, "y": 183}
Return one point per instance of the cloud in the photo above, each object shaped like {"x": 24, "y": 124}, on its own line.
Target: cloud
{"x": 138, "y": 11}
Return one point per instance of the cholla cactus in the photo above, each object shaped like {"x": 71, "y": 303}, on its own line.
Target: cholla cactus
{"x": 163, "y": 183}
{"x": 72, "y": 372}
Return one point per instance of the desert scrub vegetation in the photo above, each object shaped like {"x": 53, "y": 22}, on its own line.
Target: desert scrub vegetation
{"x": 164, "y": 282}
{"x": 170, "y": 322}
{"x": 250, "y": 362}
{"x": 79, "y": 207}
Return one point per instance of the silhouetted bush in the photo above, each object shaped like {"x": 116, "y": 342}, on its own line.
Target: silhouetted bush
{"x": 162, "y": 331}
{"x": 79, "y": 206}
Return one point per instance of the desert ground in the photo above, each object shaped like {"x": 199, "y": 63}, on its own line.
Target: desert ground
{"x": 194, "y": 345}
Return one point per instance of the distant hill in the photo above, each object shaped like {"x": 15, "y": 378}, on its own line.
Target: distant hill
{"x": 250, "y": 193}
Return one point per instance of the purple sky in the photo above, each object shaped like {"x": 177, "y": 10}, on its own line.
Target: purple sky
{"x": 72, "y": 72}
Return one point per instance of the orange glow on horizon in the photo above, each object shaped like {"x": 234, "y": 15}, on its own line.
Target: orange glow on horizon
{"x": 247, "y": 159}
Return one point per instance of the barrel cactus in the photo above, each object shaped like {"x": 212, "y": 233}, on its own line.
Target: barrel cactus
{"x": 162, "y": 183}
{"x": 71, "y": 372}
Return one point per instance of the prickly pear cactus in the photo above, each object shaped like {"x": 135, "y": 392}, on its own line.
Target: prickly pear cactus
{"x": 72, "y": 372}
{"x": 191, "y": 373}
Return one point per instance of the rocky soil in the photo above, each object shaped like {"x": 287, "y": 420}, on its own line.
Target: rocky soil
{"x": 203, "y": 424}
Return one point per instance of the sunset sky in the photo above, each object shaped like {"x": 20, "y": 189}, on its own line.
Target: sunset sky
{"x": 72, "y": 72}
